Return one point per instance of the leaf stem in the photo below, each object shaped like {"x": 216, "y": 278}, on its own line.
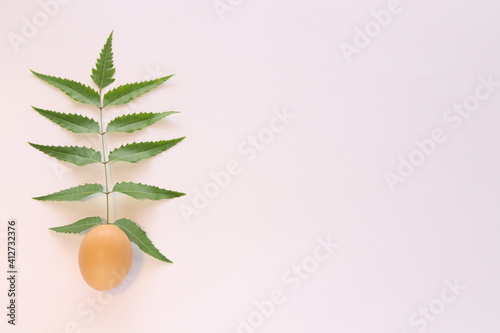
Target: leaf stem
{"x": 104, "y": 162}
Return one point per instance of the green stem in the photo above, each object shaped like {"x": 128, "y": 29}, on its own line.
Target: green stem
{"x": 104, "y": 162}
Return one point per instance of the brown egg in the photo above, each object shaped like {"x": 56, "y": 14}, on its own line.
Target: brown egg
{"x": 105, "y": 257}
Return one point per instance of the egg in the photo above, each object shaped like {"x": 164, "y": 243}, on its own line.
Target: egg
{"x": 105, "y": 257}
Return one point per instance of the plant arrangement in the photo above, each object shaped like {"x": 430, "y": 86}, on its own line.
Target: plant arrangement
{"x": 105, "y": 254}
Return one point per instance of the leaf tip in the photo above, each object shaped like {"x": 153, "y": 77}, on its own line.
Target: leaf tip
{"x": 35, "y": 73}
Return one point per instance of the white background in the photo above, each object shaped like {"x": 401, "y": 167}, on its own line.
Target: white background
{"x": 321, "y": 176}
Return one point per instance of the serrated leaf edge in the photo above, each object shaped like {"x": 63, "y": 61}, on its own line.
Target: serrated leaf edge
{"x": 42, "y": 196}
{"x": 71, "y": 114}
{"x": 71, "y": 224}
{"x": 132, "y": 143}
{"x": 95, "y": 161}
{"x": 145, "y": 234}
{"x": 164, "y": 78}
{"x": 104, "y": 56}
{"x": 62, "y": 78}
{"x": 140, "y": 113}
{"x": 153, "y": 186}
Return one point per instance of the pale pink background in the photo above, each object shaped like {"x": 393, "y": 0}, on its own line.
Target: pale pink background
{"x": 322, "y": 175}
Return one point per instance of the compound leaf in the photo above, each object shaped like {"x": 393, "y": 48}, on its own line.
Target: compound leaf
{"x": 138, "y": 151}
{"x": 132, "y": 122}
{"x": 72, "y": 122}
{"x": 139, "y": 237}
{"x": 102, "y": 74}
{"x": 142, "y": 191}
{"x": 79, "y": 226}
{"x": 76, "y": 90}
{"x": 127, "y": 92}
{"x": 73, "y": 194}
{"x": 72, "y": 154}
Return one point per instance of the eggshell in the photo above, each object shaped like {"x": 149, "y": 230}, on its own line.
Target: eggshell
{"x": 105, "y": 257}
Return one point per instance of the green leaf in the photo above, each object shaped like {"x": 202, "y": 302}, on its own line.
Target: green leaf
{"x": 141, "y": 191}
{"x": 73, "y": 193}
{"x": 138, "y": 151}
{"x": 76, "y": 90}
{"x": 73, "y": 122}
{"x": 103, "y": 72}
{"x": 71, "y": 154}
{"x": 79, "y": 226}
{"x": 127, "y": 92}
{"x": 139, "y": 237}
{"x": 135, "y": 121}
